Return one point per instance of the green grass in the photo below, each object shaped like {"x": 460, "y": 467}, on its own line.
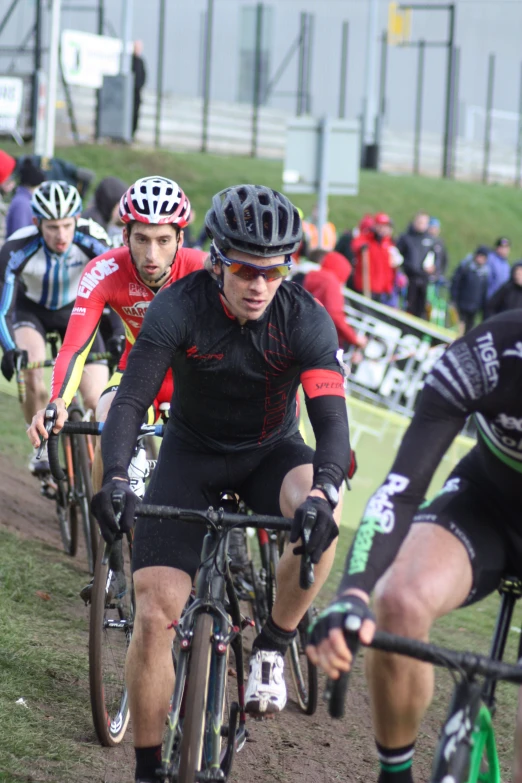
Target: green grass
{"x": 43, "y": 661}
{"x": 43, "y": 643}
{"x": 471, "y": 213}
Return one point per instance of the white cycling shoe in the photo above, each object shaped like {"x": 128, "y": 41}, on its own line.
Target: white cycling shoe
{"x": 39, "y": 466}
{"x": 266, "y": 687}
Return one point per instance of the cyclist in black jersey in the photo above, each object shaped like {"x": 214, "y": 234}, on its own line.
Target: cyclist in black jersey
{"x": 239, "y": 341}
{"x": 428, "y": 558}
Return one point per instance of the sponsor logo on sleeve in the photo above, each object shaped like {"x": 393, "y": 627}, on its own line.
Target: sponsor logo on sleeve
{"x": 489, "y": 357}
{"x": 379, "y": 517}
{"x": 102, "y": 269}
{"x": 79, "y": 311}
{"x": 516, "y": 351}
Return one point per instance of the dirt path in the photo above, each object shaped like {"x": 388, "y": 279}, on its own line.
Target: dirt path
{"x": 290, "y": 748}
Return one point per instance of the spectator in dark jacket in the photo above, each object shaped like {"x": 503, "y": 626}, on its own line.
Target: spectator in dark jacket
{"x": 509, "y": 296}
{"x": 20, "y": 214}
{"x": 439, "y": 248}
{"x": 140, "y": 77}
{"x": 416, "y": 246}
{"x": 469, "y": 287}
{"x": 498, "y": 265}
{"x": 104, "y": 207}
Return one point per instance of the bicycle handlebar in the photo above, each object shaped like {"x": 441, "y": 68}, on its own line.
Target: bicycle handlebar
{"x": 20, "y": 368}
{"x": 86, "y": 428}
{"x": 471, "y": 664}
{"x": 213, "y": 516}
{"x": 226, "y": 519}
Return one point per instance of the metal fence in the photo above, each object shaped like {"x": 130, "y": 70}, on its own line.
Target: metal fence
{"x": 476, "y": 133}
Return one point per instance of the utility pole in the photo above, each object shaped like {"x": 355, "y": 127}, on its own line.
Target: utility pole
{"x": 52, "y": 79}
{"x": 370, "y": 87}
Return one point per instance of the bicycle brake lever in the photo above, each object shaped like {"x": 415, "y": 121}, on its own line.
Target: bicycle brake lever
{"x": 306, "y": 571}
{"x": 50, "y": 421}
{"x": 118, "y": 504}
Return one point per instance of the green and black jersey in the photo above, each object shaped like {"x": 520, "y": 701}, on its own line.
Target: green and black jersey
{"x": 481, "y": 375}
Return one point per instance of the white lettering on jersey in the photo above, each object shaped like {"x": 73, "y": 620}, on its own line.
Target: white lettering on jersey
{"x": 516, "y": 351}
{"x": 101, "y": 270}
{"x": 79, "y": 311}
{"x": 380, "y": 508}
{"x": 135, "y": 289}
{"x": 489, "y": 356}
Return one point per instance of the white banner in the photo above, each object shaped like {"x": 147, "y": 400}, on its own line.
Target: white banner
{"x": 11, "y": 98}
{"x": 87, "y": 58}
{"x": 401, "y": 351}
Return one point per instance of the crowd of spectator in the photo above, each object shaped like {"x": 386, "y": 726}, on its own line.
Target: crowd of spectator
{"x": 397, "y": 270}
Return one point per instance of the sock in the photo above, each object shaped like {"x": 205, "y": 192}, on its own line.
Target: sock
{"x": 395, "y": 764}
{"x": 272, "y": 637}
{"x": 147, "y": 762}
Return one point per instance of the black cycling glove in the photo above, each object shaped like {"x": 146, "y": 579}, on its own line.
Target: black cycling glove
{"x": 115, "y": 346}
{"x": 314, "y": 524}
{"x": 102, "y": 507}
{"x": 347, "y": 613}
{"x": 9, "y": 362}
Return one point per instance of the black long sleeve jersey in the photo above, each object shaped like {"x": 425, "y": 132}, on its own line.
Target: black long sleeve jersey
{"x": 479, "y": 374}
{"x": 234, "y": 386}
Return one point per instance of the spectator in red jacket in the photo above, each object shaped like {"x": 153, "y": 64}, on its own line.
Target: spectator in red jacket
{"x": 373, "y": 270}
{"x": 325, "y": 284}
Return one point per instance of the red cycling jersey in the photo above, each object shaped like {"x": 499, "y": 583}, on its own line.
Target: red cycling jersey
{"x": 111, "y": 279}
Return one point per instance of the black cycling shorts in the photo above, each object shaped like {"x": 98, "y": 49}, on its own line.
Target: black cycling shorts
{"x": 488, "y": 525}
{"x": 35, "y": 316}
{"x": 191, "y": 479}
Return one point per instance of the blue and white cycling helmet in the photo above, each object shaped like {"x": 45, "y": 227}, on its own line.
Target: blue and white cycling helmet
{"x": 56, "y": 199}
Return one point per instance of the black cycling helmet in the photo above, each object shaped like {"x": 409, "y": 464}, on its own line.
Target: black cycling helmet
{"x": 254, "y": 219}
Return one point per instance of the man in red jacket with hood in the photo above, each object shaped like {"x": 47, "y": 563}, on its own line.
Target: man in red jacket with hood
{"x": 325, "y": 284}
{"x": 373, "y": 270}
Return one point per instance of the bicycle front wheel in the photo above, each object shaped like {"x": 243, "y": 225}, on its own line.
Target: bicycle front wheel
{"x": 66, "y": 510}
{"x": 83, "y": 491}
{"x": 193, "y": 736}
{"x": 110, "y": 631}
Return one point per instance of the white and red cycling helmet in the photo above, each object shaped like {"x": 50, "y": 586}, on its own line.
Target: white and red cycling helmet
{"x": 155, "y": 200}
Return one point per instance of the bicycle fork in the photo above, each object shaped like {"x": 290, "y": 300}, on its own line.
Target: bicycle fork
{"x": 455, "y": 743}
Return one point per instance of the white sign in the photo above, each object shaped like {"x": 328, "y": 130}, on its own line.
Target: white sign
{"x": 11, "y": 101}
{"x": 312, "y": 144}
{"x": 11, "y": 97}
{"x": 87, "y": 58}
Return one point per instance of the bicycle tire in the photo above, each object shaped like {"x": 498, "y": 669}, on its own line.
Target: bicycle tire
{"x": 66, "y": 511}
{"x": 83, "y": 491}
{"x": 192, "y": 739}
{"x": 303, "y": 672}
{"x": 108, "y": 650}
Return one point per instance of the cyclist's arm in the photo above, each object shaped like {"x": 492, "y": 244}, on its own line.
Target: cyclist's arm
{"x": 390, "y": 510}
{"x": 8, "y": 283}
{"x": 79, "y": 337}
{"x": 146, "y": 367}
{"x": 323, "y": 384}
{"x": 329, "y": 420}
{"x": 151, "y": 356}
